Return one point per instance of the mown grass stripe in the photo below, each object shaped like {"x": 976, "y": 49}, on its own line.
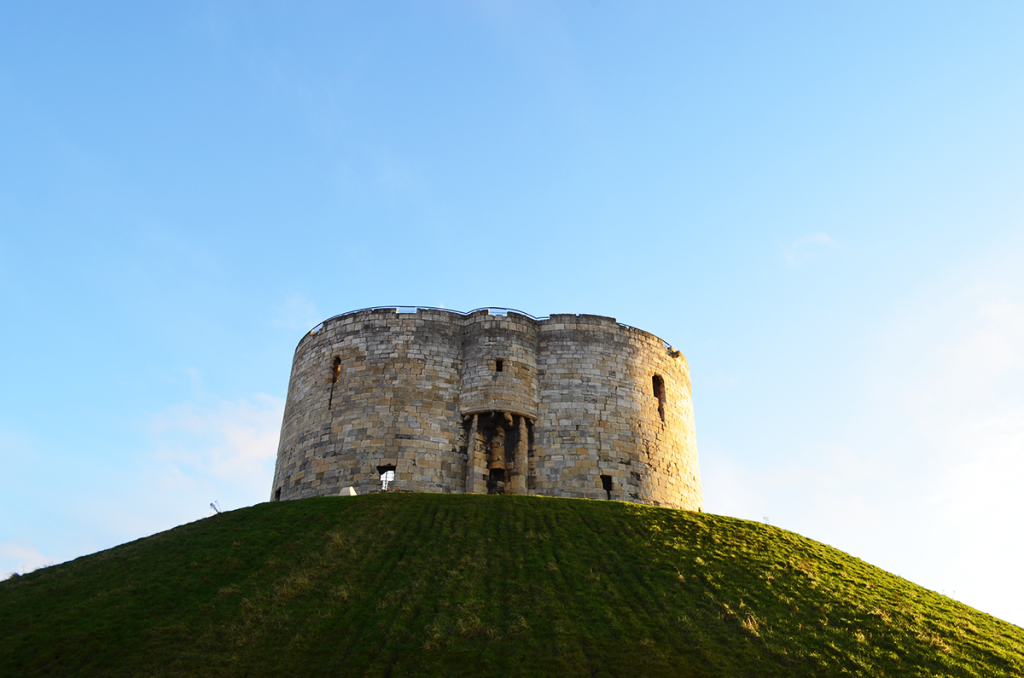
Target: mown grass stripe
{"x": 486, "y": 586}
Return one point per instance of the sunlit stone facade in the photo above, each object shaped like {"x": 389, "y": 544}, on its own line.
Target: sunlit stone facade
{"x": 564, "y": 406}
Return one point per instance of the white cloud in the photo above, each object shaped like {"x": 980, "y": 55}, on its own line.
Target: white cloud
{"x": 806, "y": 248}
{"x": 218, "y": 441}
{"x": 205, "y": 450}
{"x": 19, "y": 555}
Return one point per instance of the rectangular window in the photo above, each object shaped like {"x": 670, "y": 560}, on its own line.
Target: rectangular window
{"x": 387, "y": 476}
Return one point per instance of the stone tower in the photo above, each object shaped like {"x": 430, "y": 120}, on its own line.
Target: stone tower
{"x": 433, "y": 400}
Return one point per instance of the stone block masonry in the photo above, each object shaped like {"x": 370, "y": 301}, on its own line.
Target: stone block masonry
{"x": 566, "y": 406}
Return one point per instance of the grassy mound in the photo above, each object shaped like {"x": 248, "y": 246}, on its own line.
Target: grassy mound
{"x": 417, "y": 584}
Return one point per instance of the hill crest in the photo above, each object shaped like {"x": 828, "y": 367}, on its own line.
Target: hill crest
{"x": 426, "y": 584}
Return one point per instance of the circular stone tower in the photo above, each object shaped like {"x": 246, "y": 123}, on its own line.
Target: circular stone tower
{"x": 433, "y": 400}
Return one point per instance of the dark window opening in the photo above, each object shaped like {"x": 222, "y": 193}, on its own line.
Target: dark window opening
{"x": 496, "y": 481}
{"x": 499, "y": 365}
{"x": 387, "y": 476}
{"x": 277, "y": 495}
{"x": 659, "y": 393}
{"x": 335, "y": 372}
{"x": 606, "y": 482}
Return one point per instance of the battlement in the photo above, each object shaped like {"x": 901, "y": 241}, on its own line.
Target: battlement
{"x": 493, "y": 400}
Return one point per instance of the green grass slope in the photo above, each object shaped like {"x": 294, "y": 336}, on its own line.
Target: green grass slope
{"x": 464, "y": 585}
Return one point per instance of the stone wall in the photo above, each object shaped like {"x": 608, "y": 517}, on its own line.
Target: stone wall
{"x": 572, "y": 406}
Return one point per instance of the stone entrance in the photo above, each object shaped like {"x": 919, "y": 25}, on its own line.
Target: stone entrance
{"x": 497, "y": 452}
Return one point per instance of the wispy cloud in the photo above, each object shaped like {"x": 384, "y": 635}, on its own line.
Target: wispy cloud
{"x": 806, "y": 248}
{"x": 191, "y": 454}
{"x": 19, "y": 555}
{"x": 219, "y": 441}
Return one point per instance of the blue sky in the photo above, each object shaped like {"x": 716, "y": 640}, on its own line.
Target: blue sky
{"x": 820, "y": 204}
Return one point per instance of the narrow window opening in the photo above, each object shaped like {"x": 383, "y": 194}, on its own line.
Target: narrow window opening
{"x": 277, "y": 495}
{"x": 387, "y": 476}
{"x": 499, "y": 365}
{"x": 659, "y": 393}
{"x": 606, "y": 482}
{"x": 335, "y": 372}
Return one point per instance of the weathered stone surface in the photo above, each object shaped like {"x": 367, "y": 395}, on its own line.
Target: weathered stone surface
{"x": 570, "y": 406}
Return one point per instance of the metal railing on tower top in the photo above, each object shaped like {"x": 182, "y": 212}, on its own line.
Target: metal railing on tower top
{"x": 493, "y": 310}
